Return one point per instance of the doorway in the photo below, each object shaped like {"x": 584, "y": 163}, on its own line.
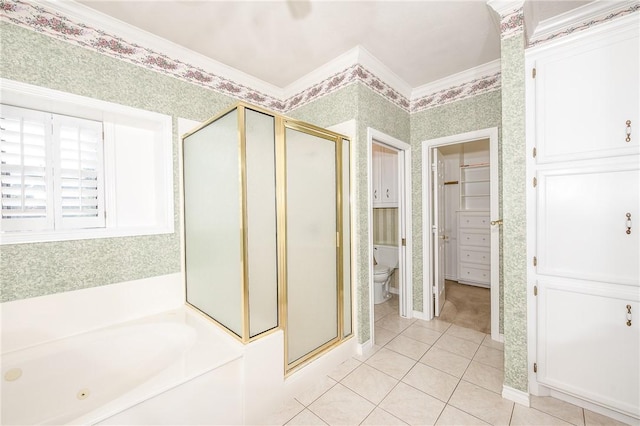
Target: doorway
{"x": 461, "y": 221}
{"x": 389, "y": 219}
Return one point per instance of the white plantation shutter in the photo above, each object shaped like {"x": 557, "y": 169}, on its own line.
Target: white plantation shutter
{"x": 25, "y": 175}
{"x": 78, "y": 173}
{"x": 52, "y": 171}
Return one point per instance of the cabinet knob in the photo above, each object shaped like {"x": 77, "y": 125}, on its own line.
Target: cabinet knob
{"x": 628, "y": 138}
{"x": 629, "y": 315}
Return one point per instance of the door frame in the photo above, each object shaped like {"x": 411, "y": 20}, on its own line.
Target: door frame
{"x": 427, "y": 218}
{"x": 404, "y": 199}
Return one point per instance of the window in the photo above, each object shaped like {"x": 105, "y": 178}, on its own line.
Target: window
{"x": 75, "y": 168}
{"x": 51, "y": 171}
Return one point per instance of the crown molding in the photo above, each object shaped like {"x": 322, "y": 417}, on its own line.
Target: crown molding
{"x": 115, "y": 27}
{"x": 82, "y": 26}
{"x": 377, "y": 67}
{"x": 505, "y": 7}
{"x": 485, "y": 70}
{"x": 581, "y": 18}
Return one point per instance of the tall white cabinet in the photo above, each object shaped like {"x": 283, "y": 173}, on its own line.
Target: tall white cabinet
{"x": 584, "y": 216}
{"x": 385, "y": 177}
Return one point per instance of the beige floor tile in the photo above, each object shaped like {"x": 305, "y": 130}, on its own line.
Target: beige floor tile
{"x": 485, "y": 376}
{"x": 435, "y": 324}
{"x": 369, "y": 383}
{"x": 314, "y": 392}
{"x": 378, "y": 314}
{"x": 306, "y": 417}
{"x": 379, "y": 417}
{"x": 482, "y": 403}
{"x": 341, "y": 406}
{"x": 422, "y": 334}
{"x": 408, "y": 347}
{"x": 446, "y": 361}
{"x": 287, "y": 411}
{"x": 451, "y": 416}
{"x": 458, "y": 346}
{"x": 561, "y": 409}
{"x": 394, "y": 323}
{"x": 488, "y": 341}
{"x": 343, "y": 369}
{"x": 492, "y": 357}
{"x": 595, "y": 419}
{"x": 383, "y": 336}
{"x": 465, "y": 333}
{"x": 412, "y": 406}
{"x": 431, "y": 381}
{"x": 526, "y": 416}
{"x": 391, "y": 363}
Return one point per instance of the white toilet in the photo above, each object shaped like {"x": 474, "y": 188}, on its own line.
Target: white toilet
{"x": 386, "y": 258}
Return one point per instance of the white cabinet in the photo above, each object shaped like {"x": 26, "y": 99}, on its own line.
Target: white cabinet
{"x": 474, "y": 248}
{"x": 385, "y": 177}
{"x": 587, "y": 205}
{"x": 475, "y": 187}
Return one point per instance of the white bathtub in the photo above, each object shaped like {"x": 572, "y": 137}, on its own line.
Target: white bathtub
{"x": 127, "y": 371}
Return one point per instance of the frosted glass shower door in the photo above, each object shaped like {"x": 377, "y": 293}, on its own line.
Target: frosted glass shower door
{"x": 312, "y": 224}
{"x": 212, "y": 213}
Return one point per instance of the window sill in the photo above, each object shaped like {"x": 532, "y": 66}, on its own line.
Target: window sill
{"x": 7, "y": 238}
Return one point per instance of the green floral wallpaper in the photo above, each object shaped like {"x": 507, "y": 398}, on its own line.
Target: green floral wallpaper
{"x": 514, "y": 213}
{"x": 29, "y": 270}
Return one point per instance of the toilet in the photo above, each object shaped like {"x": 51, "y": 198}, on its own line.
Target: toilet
{"x": 386, "y": 262}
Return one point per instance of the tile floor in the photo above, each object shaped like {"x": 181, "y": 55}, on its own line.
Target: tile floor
{"x": 425, "y": 373}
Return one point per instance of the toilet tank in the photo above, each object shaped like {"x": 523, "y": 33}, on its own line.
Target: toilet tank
{"x": 386, "y": 255}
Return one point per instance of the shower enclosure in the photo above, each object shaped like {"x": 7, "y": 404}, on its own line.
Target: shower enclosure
{"x": 267, "y": 229}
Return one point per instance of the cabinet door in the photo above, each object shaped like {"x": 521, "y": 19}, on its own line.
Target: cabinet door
{"x": 585, "y": 346}
{"x": 389, "y": 181}
{"x": 585, "y": 94}
{"x": 376, "y": 172}
{"x": 582, "y": 222}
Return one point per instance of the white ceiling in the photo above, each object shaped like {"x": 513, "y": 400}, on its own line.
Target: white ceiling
{"x": 281, "y": 41}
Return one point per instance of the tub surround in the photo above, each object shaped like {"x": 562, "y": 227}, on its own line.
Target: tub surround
{"x": 245, "y": 382}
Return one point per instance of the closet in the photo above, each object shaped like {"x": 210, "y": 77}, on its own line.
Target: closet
{"x": 584, "y": 192}
{"x": 467, "y": 204}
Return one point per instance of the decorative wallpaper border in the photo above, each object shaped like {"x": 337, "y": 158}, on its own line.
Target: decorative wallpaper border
{"x": 512, "y": 23}
{"x": 584, "y": 25}
{"x": 456, "y": 93}
{"x": 37, "y": 18}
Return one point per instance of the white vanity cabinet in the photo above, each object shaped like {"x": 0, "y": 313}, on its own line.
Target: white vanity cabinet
{"x": 385, "y": 176}
{"x": 583, "y": 123}
{"x": 474, "y": 248}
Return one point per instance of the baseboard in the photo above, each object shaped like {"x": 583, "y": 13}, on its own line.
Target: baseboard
{"x": 421, "y": 315}
{"x": 516, "y": 395}
{"x": 498, "y": 337}
{"x": 363, "y": 348}
{"x": 593, "y": 407}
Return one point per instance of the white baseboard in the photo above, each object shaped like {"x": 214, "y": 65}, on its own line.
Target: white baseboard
{"x": 593, "y": 407}
{"x": 364, "y": 348}
{"x": 516, "y": 395}
{"x": 421, "y": 315}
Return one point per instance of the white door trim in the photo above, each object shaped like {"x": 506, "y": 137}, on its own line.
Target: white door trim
{"x": 427, "y": 236}
{"x": 404, "y": 196}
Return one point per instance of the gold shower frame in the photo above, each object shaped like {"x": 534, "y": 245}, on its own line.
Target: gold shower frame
{"x": 281, "y": 123}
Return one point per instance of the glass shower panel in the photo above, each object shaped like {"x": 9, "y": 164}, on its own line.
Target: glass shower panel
{"x": 262, "y": 258}
{"x": 347, "y": 327}
{"x": 311, "y": 224}
{"x": 212, "y": 213}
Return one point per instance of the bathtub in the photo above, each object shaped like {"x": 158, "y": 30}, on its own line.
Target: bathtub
{"x": 173, "y": 367}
